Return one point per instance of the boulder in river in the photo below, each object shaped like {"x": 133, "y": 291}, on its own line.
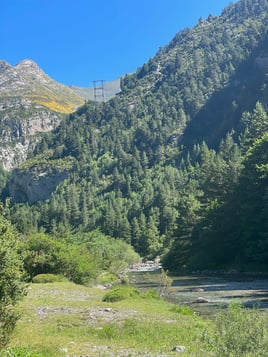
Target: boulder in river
{"x": 200, "y": 300}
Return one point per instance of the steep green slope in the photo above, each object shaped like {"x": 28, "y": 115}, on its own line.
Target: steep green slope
{"x": 209, "y": 75}
{"x": 142, "y": 171}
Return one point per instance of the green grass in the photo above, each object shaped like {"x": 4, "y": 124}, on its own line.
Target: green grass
{"x": 64, "y": 319}
{"x": 119, "y": 293}
{"x": 18, "y": 352}
{"x": 48, "y": 278}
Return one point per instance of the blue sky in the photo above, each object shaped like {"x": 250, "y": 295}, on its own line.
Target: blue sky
{"x": 77, "y": 41}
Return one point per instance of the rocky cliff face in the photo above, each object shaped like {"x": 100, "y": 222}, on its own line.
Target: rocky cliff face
{"x": 35, "y": 185}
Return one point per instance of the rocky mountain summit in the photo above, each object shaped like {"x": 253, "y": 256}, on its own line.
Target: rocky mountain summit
{"x": 26, "y": 79}
{"x": 31, "y": 103}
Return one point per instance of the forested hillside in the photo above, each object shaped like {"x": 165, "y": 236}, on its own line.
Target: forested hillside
{"x": 176, "y": 164}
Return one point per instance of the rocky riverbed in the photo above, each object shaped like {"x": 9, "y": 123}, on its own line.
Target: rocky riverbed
{"x": 206, "y": 294}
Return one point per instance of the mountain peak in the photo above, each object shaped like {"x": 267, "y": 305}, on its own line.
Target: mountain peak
{"x": 27, "y": 63}
{"x": 29, "y": 67}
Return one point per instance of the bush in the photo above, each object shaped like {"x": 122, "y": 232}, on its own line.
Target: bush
{"x": 151, "y": 294}
{"x": 107, "y": 278}
{"x": 119, "y": 293}
{"x": 43, "y": 254}
{"x": 110, "y": 254}
{"x": 124, "y": 280}
{"x": 240, "y": 332}
{"x": 48, "y": 278}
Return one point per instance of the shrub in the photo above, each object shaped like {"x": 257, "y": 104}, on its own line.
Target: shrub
{"x": 48, "y": 278}
{"x": 106, "y": 278}
{"x": 43, "y": 254}
{"x": 150, "y": 294}
{"x": 110, "y": 254}
{"x": 240, "y": 332}
{"x": 124, "y": 280}
{"x": 119, "y": 293}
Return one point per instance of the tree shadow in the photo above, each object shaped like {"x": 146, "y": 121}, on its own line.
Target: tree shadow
{"x": 223, "y": 110}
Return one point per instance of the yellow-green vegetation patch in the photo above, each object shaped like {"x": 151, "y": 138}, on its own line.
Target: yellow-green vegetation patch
{"x": 64, "y": 108}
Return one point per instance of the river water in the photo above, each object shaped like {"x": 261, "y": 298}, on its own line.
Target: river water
{"x": 206, "y": 294}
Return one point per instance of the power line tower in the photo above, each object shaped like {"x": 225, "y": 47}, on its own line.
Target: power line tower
{"x": 98, "y": 86}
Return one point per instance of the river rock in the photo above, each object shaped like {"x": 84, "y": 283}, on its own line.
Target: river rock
{"x": 200, "y": 300}
{"x": 179, "y": 349}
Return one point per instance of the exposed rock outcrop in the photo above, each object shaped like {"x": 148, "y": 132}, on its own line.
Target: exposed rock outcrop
{"x": 35, "y": 185}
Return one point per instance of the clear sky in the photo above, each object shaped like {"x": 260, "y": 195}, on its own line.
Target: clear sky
{"x": 77, "y": 41}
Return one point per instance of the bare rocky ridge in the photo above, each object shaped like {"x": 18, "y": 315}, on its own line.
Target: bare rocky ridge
{"x": 28, "y": 80}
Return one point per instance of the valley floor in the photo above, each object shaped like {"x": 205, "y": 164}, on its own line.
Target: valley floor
{"x": 64, "y": 319}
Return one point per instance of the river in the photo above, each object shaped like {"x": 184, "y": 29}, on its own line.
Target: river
{"x": 206, "y": 294}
